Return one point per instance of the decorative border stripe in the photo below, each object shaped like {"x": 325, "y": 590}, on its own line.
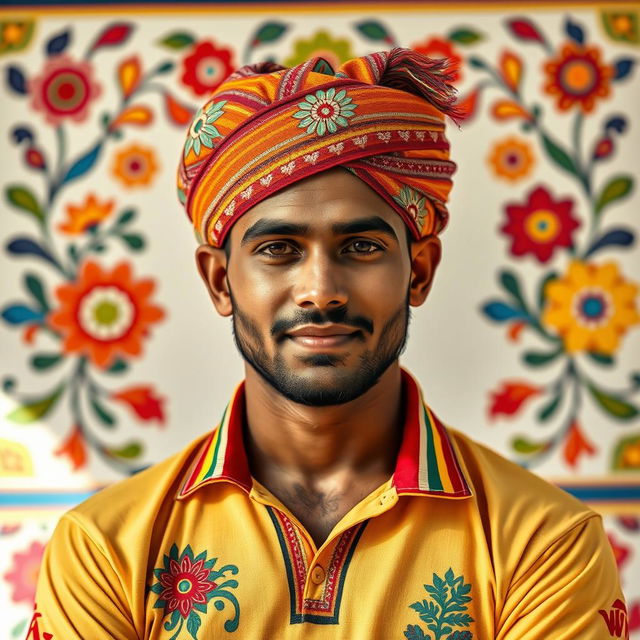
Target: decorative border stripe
{"x": 604, "y": 493}
{"x": 618, "y": 494}
{"x": 222, "y": 456}
{"x": 434, "y": 481}
{"x": 325, "y": 610}
{"x": 43, "y": 499}
{"x": 427, "y": 463}
{"x": 288, "y": 565}
{"x": 264, "y": 6}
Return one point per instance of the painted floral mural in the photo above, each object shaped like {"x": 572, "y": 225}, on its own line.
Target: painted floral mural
{"x": 588, "y": 305}
{"x": 101, "y": 317}
{"x": 94, "y": 104}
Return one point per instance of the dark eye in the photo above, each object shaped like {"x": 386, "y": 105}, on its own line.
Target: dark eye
{"x": 277, "y": 249}
{"x": 363, "y": 247}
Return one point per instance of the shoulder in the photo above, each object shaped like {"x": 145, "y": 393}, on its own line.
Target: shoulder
{"x": 515, "y": 503}
{"x": 136, "y": 503}
{"x": 528, "y": 524}
{"x": 498, "y": 479}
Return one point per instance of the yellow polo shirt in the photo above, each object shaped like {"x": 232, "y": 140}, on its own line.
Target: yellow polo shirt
{"x": 458, "y": 544}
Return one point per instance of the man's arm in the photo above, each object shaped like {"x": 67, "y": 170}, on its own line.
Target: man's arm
{"x": 80, "y": 595}
{"x": 571, "y": 592}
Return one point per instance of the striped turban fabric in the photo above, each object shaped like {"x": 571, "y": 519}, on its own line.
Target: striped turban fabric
{"x": 380, "y": 116}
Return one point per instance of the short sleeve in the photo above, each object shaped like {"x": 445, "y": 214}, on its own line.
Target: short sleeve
{"x": 79, "y": 594}
{"x": 570, "y": 592}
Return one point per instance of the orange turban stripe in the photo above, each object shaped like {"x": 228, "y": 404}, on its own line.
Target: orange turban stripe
{"x": 266, "y": 127}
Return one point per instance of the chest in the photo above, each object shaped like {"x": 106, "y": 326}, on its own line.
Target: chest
{"x": 259, "y": 575}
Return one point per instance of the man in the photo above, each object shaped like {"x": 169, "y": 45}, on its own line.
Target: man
{"x": 330, "y": 502}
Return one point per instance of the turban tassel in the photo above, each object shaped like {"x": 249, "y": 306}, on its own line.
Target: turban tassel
{"x": 428, "y": 78}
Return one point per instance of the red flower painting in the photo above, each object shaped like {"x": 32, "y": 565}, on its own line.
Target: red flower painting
{"x": 541, "y": 225}
{"x": 204, "y": 69}
{"x": 64, "y": 90}
{"x": 508, "y": 400}
{"x": 143, "y": 401}
{"x": 578, "y": 77}
{"x": 23, "y": 573}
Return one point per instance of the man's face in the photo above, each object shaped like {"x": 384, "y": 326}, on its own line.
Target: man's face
{"x": 319, "y": 277}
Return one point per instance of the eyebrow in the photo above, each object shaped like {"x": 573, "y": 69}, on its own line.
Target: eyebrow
{"x": 374, "y": 223}
{"x": 273, "y": 228}
{"x": 280, "y": 228}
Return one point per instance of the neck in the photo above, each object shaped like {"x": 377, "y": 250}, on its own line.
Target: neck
{"x": 309, "y": 444}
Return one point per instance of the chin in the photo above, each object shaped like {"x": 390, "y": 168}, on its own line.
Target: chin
{"x": 320, "y": 381}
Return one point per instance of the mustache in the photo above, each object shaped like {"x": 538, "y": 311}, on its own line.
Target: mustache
{"x": 315, "y": 316}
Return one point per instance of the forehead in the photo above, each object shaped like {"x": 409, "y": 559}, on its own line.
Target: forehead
{"x": 321, "y": 202}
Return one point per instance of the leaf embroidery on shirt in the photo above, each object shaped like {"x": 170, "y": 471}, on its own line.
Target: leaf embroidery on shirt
{"x": 444, "y": 610}
{"x": 186, "y": 584}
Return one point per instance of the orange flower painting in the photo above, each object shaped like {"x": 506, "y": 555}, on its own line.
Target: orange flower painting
{"x": 82, "y": 217}
{"x": 135, "y": 166}
{"x": 105, "y": 314}
{"x": 511, "y": 159}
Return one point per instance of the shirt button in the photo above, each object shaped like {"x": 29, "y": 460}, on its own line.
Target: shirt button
{"x": 317, "y": 574}
{"x": 383, "y": 499}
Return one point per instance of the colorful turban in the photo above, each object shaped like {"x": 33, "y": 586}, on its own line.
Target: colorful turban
{"x": 380, "y": 116}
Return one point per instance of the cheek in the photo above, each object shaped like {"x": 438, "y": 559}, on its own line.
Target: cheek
{"x": 258, "y": 295}
{"x": 384, "y": 287}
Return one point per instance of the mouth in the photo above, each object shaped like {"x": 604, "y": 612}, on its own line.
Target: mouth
{"x": 322, "y": 342}
{"x": 323, "y": 337}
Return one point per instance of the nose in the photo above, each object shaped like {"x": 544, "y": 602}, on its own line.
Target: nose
{"x": 319, "y": 283}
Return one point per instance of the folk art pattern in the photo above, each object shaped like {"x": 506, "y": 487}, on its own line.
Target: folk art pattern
{"x": 186, "y": 583}
{"x": 326, "y": 609}
{"x": 87, "y": 311}
{"x": 586, "y": 309}
{"x": 444, "y": 611}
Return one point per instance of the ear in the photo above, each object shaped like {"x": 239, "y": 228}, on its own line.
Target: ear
{"x": 425, "y": 257}
{"x": 212, "y": 266}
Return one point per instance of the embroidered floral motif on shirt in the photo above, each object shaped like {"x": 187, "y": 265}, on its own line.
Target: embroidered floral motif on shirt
{"x": 324, "y": 111}
{"x": 186, "y": 584}
{"x": 445, "y": 609}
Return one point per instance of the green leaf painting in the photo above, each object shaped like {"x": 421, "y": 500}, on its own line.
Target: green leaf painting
{"x": 22, "y": 198}
{"x": 35, "y": 409}
{"x": 616, "y": 189}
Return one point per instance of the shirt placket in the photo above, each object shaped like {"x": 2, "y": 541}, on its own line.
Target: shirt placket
{"x": 319, "y": 573}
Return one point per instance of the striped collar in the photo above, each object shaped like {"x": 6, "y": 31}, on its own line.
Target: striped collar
{"x": 426, "y": 465}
